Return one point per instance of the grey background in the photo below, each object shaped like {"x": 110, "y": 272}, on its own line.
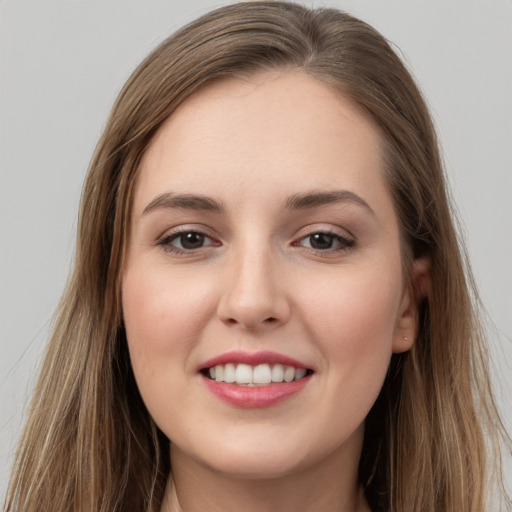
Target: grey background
{"x": 61, "y": 66}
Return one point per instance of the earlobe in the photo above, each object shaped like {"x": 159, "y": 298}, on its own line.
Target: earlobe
{"x": 402, "y": 344}
{"x": 419, "y": 288}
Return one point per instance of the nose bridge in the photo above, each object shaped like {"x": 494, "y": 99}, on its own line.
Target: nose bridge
{"x": 253, "y": 295}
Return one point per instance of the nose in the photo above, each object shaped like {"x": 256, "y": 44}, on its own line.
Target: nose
{"x": 253, "y": 295}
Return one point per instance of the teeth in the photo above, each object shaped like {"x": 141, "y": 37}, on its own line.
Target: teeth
{"x": 289, "y": 373}
{"x": 299, "y": 373}
{"x": 262, "y": 374}
{"x": 229, "y": 373}
{"x": 277, "y": 373}
{"x": 245, "y": 374}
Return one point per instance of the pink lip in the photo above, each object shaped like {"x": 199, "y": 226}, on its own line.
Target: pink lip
{"x": 252, "y": 358}
{"x": 249, "y": 397}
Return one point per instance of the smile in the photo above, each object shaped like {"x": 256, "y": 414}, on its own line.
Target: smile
{"x": 254, "y": 380}
{"x": 258, "y": 375}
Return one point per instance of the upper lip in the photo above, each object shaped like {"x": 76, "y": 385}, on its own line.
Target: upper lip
{"x": 253, "y": 359}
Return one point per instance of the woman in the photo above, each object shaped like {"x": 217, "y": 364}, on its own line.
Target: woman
{"x": 261, "y": 312}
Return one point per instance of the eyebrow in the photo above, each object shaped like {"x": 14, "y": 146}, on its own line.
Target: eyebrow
{"x": 185, "y": 201}
{"x": 302, "y": 201}
{"x": 314, "y": 199}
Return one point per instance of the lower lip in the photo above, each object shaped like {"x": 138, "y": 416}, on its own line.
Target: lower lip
{"x": 253, "y": 397}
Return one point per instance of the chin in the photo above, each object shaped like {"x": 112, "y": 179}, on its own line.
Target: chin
{"x": 249, "y": 459}
{"x": 259, "y": 467}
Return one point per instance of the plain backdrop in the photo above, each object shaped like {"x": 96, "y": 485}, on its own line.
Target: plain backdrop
{"x": 62, "y": 64}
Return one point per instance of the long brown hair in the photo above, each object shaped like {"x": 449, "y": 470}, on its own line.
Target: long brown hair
{"x": 90, "y": 444}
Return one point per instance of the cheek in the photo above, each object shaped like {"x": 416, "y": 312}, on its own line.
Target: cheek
{"x": 159, "y": 311}
{"x": 353, "y": 317}
{"x": 162, "y": 319}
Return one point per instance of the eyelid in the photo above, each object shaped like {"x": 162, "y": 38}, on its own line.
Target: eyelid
{"x": 326, "y": 228}
{"x": 173, "y": 233}
{"x": 348, "y": 241}
{"x": 186, "y": 228}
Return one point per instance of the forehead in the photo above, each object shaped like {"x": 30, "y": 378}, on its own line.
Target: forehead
{"x": 279, "y": 131}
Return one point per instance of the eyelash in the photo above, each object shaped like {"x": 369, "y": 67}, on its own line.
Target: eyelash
{"x": 166, "y": 242}
{"x": 344, "y": 244}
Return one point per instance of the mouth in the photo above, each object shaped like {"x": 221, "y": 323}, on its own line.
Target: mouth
{"x": 264, "y": 374}
{"x": 250, "y": 380}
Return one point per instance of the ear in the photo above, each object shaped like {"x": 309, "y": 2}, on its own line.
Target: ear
{"x": 418, "y": 288}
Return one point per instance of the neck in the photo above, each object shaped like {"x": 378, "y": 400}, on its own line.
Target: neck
{"x": 329, "y": 486}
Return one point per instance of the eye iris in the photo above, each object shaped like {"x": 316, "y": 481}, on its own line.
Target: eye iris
{"x": 321, "y": 241}
{"x": 192, "y": 240}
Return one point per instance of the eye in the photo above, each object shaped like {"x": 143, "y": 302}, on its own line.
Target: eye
{"x": 322, "y": 241}
{"x": 186, "y": 241}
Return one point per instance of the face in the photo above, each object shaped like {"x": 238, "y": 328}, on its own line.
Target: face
{"x": 262, "y": 290}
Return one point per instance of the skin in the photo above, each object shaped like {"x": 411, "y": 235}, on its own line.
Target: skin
{"x": 260, "y": 282}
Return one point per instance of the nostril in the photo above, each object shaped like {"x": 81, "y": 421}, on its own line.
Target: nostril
{"x": 234, "y": 321}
